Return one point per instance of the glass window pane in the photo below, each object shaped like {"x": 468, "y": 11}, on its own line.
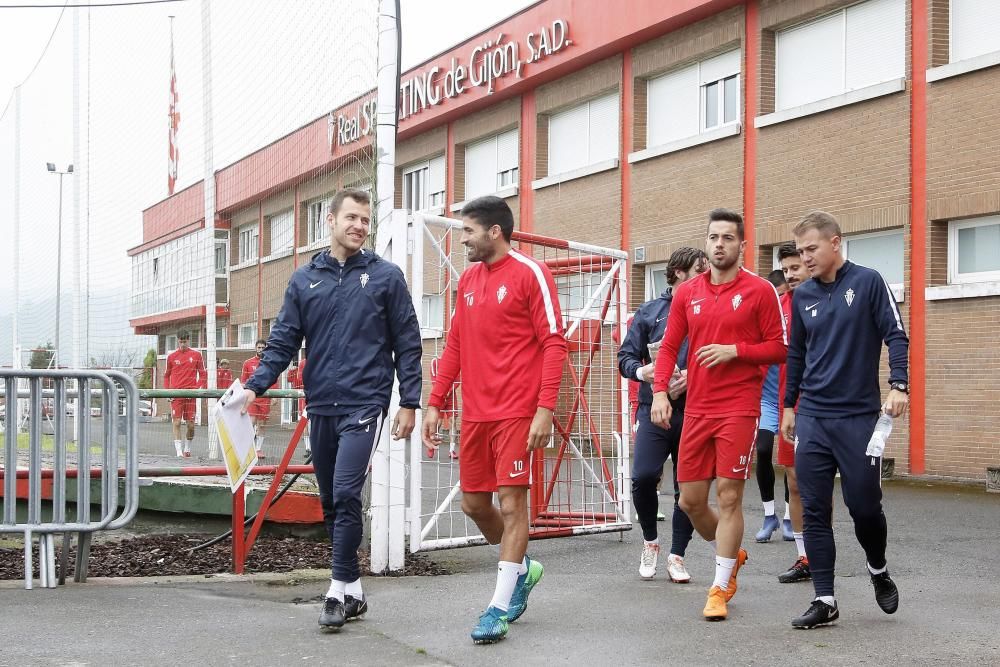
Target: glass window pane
{"x": 732, "y": 98}
{"x": 659, "y": 280}
{"x": 979, "y": 249}
{"x": 712, "y": 104}
{"x": 882, "y": 253}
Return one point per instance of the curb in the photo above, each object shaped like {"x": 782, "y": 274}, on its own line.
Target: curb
{"x": 268, "y": 578}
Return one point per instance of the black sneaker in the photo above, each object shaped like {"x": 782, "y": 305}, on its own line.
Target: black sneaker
{"x": 355, "y": 608}
{"x": 819, "y": 613}
{"x": 797, "y": 572}
{"x": 332, "y": 617}
{"x": 886, "y": 593}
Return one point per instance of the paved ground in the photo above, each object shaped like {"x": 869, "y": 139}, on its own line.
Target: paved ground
{"x": 591, "y": 608}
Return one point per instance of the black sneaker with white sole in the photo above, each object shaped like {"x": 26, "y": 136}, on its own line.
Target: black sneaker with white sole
{"x": 333, "y": 616}
{"x": 355, "y": 608}
{"x": 818, "y": 614}
{"x": 886, "y": 593}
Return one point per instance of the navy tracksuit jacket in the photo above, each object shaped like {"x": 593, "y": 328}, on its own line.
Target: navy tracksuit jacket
{"x": 360, "y": 329}
{"x": 837, "y": 331}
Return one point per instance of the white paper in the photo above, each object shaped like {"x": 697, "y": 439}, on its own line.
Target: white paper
{"x": 236, "y": 435}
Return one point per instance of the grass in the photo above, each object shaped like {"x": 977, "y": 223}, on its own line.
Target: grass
{"x": 48, "y": 444}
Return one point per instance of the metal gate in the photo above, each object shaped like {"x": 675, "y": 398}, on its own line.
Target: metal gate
{"x": 581, "y": 482}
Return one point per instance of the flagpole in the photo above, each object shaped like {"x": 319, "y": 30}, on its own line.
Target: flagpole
{"x": 208, "y": 262}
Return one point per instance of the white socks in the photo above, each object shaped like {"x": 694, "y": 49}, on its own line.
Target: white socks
{"x": 769, "y": 508}
{"x": 788, "y": 516}
{"x": 187, "y": 447}
{"x": 723, "y": 570}
{"x": 178, "y": 447}
{"x": 827, "y": 599}
{"x": 800, "y": 544}
{"x": 337, "y": 589}
{"x": 507, "y": 574}
{"x": 877, "y": 570}
{"x": 353, "y": 588}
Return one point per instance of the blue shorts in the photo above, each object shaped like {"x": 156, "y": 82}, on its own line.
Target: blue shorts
{"x": 768, "y": 417}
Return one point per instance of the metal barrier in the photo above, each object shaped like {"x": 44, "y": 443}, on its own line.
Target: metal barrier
{"x": 112, "y": 388}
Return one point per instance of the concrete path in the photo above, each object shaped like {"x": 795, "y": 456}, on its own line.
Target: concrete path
{"x": 590, "y": 609}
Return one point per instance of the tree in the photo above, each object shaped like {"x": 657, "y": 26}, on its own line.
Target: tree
{"x": 41, "y": 356}
{"x": 146, "y": 379}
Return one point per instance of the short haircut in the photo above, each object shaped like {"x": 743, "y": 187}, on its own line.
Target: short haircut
{"x": 260, "y": 341}
{"x": 727, "y": 215}
{"x": 821, "y": 221}
{"x": 183, "y": 334}
{"x": 777, "y": 278}
{"x": 360, "y": 196}
{"x": 787, "y": 249}
{"x": 488, "y": 211}
{"x": 223, "y": 362}
{"x": 683, "y": 259}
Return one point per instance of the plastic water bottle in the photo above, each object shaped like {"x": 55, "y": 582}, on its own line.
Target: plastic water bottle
{"x": 883, "y": 427}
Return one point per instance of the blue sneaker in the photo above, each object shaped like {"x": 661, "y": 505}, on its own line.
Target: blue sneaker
{"x": 525, "y": 582}
{"x": 770, "y": 525}
{"x": 786, "y": 530}
{"x": 491, "y": 628}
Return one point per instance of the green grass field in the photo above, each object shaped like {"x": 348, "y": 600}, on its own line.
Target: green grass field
{"x": 48, "y": 444}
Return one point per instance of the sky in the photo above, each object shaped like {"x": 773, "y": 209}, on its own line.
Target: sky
{"x": 277, "y": 64}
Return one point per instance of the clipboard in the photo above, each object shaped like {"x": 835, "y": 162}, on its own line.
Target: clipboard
{"x": 236, "y": 434}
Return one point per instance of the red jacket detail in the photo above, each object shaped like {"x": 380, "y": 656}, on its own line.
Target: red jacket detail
{"x": 506, "y": 339}
{"x": 744, "y": 312}
{"x": 185, "y": 370}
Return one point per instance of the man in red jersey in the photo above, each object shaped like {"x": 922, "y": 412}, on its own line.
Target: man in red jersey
{"x": 185, "y": 370}
{"x": 732, "y": 320}
{"x": 296, "y": 378}
{"x": 260, "y": 409}
{"x": 507, "y": 341}
{"x": 223, "y": 375}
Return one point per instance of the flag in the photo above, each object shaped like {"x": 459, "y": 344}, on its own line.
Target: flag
{"x": 173, "y": 121}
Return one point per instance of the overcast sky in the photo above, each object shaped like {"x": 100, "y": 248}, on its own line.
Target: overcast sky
{"x": 277, "y": 64}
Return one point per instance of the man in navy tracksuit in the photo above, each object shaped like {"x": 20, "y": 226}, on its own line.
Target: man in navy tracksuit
{"x": 357, "y": 318}
{"x": 653, "y": 444}
{"x": 840, "y": 319}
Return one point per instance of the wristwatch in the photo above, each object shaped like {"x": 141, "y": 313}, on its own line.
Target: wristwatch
{"x": 900, "y": 386}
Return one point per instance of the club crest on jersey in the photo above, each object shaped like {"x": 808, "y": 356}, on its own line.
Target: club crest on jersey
{"x": 849, "y": 296}
{"x": 737, "y": 300}
{"x": 364, "y": 280}
{"x": 469, "y": 296}
{"x": 501, "y": 293}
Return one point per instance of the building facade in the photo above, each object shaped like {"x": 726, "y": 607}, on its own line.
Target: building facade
{"x": 624, "y": 128}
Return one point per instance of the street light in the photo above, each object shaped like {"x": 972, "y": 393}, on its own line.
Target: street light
{"x": 52, "y": 170}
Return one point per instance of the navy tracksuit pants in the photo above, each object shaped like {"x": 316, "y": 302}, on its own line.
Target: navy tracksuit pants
{"x": 342, "y": 448}
{"x": 652, "y": 447}
{"x": 826, "y": 445}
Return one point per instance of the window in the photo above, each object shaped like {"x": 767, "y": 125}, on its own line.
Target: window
{"x": 221, "y": 258}
{"x": 852, "y": 48}
{"x": 156, "y": 270}
{"x": 584, "y": 135}
{"x": 247, "y": 335}
{"x": 973, "y": 28}
{"x": 656, "y": 280}
{"x": 171, "y": 342}
{"x": 282, "y": 230}
{"x": 882, "y": 251}
{"x": 693, "y": 99}
{"x": 491, "y": 165}
{"x": 974, "y": 250}
{"x": 220, "y": 337}
{"x": 423, "y": 185}
{"x": 316, "y": 212}
{"x": 432, "y": 315}
{"x": 248, "y": 242}
{"x": 576, "y": 290}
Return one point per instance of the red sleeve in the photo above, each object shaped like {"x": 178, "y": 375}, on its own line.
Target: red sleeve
{"x": 677, "y": 329}
{"x": 166, "y": 373}
{"x": 247, "y": 372}
{"x": 449, "y": 365}
{"x": 773, "y": 348}
{"x": 202, "y": 374}
{"x": 546, "y": 319}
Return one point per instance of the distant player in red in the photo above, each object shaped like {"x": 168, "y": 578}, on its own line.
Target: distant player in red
{"x": 223, "y": 375}
{"x": 507, "y": 341}
{"x": 185, "y": 370}
{"x": 733, "y": 323}
{"x": 296, "y": 378}
{"x": 260, "y": 409}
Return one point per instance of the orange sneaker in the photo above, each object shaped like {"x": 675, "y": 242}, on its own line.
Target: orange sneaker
{"x": 715, "y": 606}
{"x": 741, "y": 558}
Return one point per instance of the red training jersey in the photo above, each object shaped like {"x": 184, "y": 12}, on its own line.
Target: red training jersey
{"x": 185, "y": 370}
{"x": 223, "y": 378}
{"x": 744, "y": 312}
{"x": 249, "y": 366}
{"x": 507, "y": 340}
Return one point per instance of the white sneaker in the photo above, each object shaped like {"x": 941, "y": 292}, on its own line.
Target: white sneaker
{"x": 187, "y": 451}
{"x": 676, "y": 570}
{"x": 647, "y": 562}
{"x": 179, "y": 449}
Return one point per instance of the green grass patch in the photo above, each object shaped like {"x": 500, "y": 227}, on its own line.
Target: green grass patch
{"x": 48, "y": 444}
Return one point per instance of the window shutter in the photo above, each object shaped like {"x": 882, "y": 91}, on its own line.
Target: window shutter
{"x": 809, "y": 62}
{"x": 603, "y": 128}
{"x": 672, "y": 107}
{"x": 435, "y": 175}
{"x": 481, "y": 168}
{"x": 568, "y": 140}
{"x": 507, "y": 157}
{"x": 875, "y": 42}
{"x": 720, "y": 66}
{"x": 974, "y": 28}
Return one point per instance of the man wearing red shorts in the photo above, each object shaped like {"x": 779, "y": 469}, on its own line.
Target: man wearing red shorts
{"x": 185, "y": 370}
{"x": 732, "y": 320}
{"x": 507, "y": 341}
{"x": 795, "y": 274}
{"x": 260, "y": 409}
